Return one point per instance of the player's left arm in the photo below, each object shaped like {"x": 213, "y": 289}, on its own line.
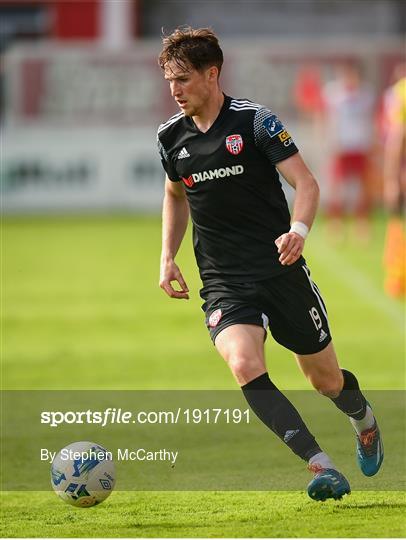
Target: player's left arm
{"x": 297, "y": 174}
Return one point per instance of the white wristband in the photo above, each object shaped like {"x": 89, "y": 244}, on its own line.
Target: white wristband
{"x": 299, "y": 228}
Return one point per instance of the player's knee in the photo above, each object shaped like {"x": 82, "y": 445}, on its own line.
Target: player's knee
{"x": 245, "y": 368}
{"x": 239, "y": 365}
{"x": 328, "y": 387}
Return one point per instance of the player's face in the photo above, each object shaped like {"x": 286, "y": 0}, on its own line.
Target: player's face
{"x": 190, "y": 88}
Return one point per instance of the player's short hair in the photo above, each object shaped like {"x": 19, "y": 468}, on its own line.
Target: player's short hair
{"x": 189, "y": 47}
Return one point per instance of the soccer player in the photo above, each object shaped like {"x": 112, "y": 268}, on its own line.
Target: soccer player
{"x": 349, "y": 104}
{"x": 222, "y": 156}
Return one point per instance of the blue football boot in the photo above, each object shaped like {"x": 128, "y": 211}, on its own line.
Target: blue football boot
{"x": 327, "y": 484}
{"x": 370, "y": 450}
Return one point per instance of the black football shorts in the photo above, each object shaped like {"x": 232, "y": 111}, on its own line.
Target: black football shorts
{"x": 290, "y": 304}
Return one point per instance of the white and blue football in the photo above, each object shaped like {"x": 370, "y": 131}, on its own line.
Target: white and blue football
{"x": 83, "y": 474}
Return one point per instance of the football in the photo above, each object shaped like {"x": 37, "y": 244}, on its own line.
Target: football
{"x": 83, "y": 474}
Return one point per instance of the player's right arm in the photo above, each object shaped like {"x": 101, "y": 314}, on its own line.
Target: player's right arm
{"x": 175, "y": 217}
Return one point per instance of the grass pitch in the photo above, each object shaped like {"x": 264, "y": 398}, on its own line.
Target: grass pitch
{"x": 82, "y": 310}
{"x": 207, "y": 515}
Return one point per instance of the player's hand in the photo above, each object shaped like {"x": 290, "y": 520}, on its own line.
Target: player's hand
{"x": 290, "y": 246}
{"x": 170, "y": 272}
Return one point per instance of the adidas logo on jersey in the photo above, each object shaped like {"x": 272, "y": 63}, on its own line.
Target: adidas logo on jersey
{"x": 183, "y": 154}
{"x": 323, "y": 336}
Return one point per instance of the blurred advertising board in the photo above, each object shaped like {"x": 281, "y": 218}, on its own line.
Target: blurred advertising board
{"x": 45, "y": 169}
{"x": 86, "y": 85}
{"x": 82, "y": 86}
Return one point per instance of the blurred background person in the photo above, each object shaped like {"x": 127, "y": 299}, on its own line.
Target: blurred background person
{"x": 349, "y": 106}
{"x": 394, "y": 187}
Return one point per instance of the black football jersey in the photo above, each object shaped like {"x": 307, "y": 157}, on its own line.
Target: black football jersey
{"x": 236, "y": 200}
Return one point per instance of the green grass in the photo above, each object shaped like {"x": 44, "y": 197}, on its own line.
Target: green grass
{"x": 80, "y": 295}
{"x": 208, "y": 514}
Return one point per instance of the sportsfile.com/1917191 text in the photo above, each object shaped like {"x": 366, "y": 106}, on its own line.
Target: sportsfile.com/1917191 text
{"x": 113, "y": 415}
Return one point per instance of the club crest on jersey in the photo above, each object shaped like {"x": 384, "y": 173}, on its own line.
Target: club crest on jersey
{"x": 215, "y": 317}
{"x": 234, "y": 144}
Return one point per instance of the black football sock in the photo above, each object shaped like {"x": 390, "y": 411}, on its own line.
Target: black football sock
{"x": 351, "y": 401}
{"x": 278, "y": 413}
